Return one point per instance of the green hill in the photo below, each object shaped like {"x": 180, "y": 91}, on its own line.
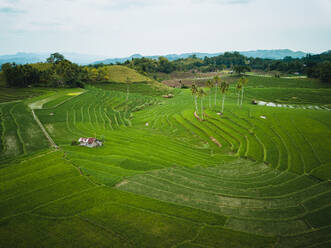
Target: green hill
{"x": 119, "y": 76}
{"x": 123, "y": 74}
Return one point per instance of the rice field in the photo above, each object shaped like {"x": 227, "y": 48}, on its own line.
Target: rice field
{"x": 163, "y": 178}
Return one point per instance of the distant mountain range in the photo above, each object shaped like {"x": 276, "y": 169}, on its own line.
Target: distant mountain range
{"x": 84, "y": 59}
{"x": 266, "y": 54}
{"x": 28, "y": 58}
{"x": 274, "y": 54}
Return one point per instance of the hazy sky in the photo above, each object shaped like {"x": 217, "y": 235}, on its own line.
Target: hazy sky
{"x": 117, "y": 28}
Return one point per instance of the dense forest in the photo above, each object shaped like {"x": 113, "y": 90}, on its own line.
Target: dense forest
{"x": 55, "y": 72}
{"x": 60, "y": 72}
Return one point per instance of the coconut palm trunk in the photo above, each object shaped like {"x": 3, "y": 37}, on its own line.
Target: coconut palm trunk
{"x": 243, "y": 81}
{"x": 127, "y": 87}
{"x": 238, "y": 98}
{"x": 210, "y": 86}
{"x": 201, "y": 94}
{"x": 224, "y": 88}
{"x": 194, "y": 91}
{"x": 209, "y": 101}
{"x": 127, "y": 92}
{"x": 215, "y": 94}
{"x": 201, "y": 103}
{"x": 223, "y": 100}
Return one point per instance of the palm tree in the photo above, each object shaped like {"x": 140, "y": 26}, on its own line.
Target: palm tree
{"x": 194, "y": 90}
{"x": 216, "y": 80}
{"x": 244, "y": 81}
{"x": 201, "y": 94}
{"x": 224, "y": 89}
{"x": 210, "y": 85}
{"x": 127, "y": 87}
{"x": 239, "y": 88}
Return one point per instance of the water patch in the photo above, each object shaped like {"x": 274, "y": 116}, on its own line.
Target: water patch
{"x": 261, "y": 103}
{"x": 278, "y": 105}
{"x": 271, "y": 104}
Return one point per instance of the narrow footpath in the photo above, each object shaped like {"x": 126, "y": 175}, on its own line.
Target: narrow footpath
{"x": 51, "y": 141}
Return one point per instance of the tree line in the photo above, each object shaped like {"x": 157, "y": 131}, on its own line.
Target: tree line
{"x": 60, "y": 72}
{"x": 314, "y": 66}
{"x": 56, "y": 72}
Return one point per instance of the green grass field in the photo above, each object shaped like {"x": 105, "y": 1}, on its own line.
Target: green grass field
{"x": 162, "y": 177}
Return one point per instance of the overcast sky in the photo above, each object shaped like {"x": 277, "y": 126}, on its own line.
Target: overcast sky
{"x": 117, "y": 28}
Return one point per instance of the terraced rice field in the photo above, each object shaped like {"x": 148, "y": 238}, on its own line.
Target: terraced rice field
{"x": 20, "y": 133}
{"x": 9, "y": 94}
{"x": 164, "y": 178}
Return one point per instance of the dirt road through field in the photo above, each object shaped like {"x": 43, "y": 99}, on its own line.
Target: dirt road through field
{"x": 51, "y": 141}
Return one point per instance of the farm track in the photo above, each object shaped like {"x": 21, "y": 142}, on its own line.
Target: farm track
{"x": 51, "y": 141}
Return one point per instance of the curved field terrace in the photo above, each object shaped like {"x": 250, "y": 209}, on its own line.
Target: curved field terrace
{"x": 253, "y": 176}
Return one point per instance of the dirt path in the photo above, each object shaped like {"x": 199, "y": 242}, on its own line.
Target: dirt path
{"x": 51, "y": 141}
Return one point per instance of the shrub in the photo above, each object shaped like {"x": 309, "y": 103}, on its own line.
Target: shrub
{"x": 74, "y": 143}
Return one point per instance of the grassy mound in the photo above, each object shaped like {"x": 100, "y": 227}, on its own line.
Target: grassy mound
{"x": 123, "y": 74}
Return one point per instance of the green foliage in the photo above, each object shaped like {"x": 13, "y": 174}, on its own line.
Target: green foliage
{"x": 325, "y": 71}
{"x": 65, "y": 74}
{"x": 241, "y": 68}
{"x": 20, "y": 75}
{"x": 315, "y": 66}
{"x": 59, "y": 72}
{"x": 224, "y": 87}
{"x": 55, "y": 58}
{"x": 2, "y": 79}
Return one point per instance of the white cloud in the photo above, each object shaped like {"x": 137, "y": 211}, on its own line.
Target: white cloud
{"x": 123, "y": 27}
{"x": 223, "y": 1}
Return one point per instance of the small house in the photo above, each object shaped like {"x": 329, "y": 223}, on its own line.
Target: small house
{"x": 89, "y": 142}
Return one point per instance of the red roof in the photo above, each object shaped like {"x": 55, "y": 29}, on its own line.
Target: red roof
{"x": 91, "y": 140}
{"x": 87, "y": 140}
